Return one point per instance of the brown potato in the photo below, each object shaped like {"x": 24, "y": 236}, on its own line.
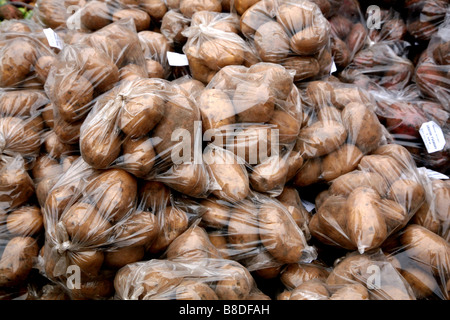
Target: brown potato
{"x": 17, "y": 260}
{"x": 43, "y": 66}
{"x": 25, "y": 221}
{"x": 366, "y": 227}
{"x": 192, "y": 245}
{"x": 154, "y": 69}
{"x": 155, "y": 8}
{"x": 340, "y": 162}
{"x": 320, "y": 138}
{"x": 140, "y": 17}
{"x": 141, "y": 114}
{"x": 253, "y": 102}
{"x": 351, "y": 292}
{"x": 395, "y": 215}
{"x": 216, "y": 215}
{"x": 363, "y": 127}
{"x": 258, "y": 14}
{"x": 309, "y": 173}
{"x": 346, "y": 183}
{"x": 279, "y": 233}
{"x": 18, "y": 137}
{"x": 172, "y": 25}
{"x": 138, "y": 156}
{"x": 279, "y": 81}
{"x": 352, "y": 269}
{"x": 189, "y": 7}
{"x": 295, "y": 18}
{"x": 422, "y": 282}
{"x": 188, "y": 178}
{"x": 236, "y": 283}
{"x": 219, "y": 240}
{"x": 17, "y": 58}
{"x": 16, "y": 186}
{"x": 288, "y": 126}
{"x": 310, "y": 290}
{"x": 269, "y": 175}
{"x": 46, "y": 166}
{"x": 153, "y": 195}
{"x": 55, "y": 148}
{"x": 89, "y": 262}
{"x": 253, "y": 143}
{"x": 294, "y": 163}
{"x": 139, "y": 229}
{"x": 310, "y": 40}
{"x": 272, "y": 42}
{"x": 95, "y": 15}
{"x": 304, "y": 67}
{"x": 408, "y": 193}
{"x": 385, "y": 166}
{"x": 242, "y": 232}
{"x": 84, "y": 224}
{"x": 132, "y": 72}
{"x": 216, "y": 109}
{"x": 218, "y": 53}
{"x": 228, "y": 173}
{"x": 295, "y": 274}
{"x": 114, "y": 192}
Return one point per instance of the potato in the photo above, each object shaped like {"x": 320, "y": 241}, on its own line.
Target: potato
{"x": 309, "y": 173}
{"x": 236, "y": 283}
{"x": 114, "y": 192}
{"x": 100, "y": 143}
{"x": 199, "y": 70}
{"x": 340, "y": 162}
{"x": 310, "y": 40}
{"x": 346, "y": 183}
{"x": 108, "y": 46}
{"x": 122, "y": 256}
{"x": 192, "y": 245}
{"x": 366, "y": 227}
{"x": 46, "y": 166}
{"x": 43, "y": 188}
{"x": 426, "y": 218}
{"x": 295, "y": 274}
{"x": 422, "y": 282}
{"x": 320, "y": 93}
{"x": 341, "y": 53}
{"x": 99, "y": 68}
{"x": 89, "y": 262}
{"x": 17, "y": 260}
{"x": 153, "y": 195}
{"x": 363, "y": 127}
{"x": 67, "y": 132}
{"x": 195, "y": 290}
{"x": 269, "y": 175}
{"x": 17, "y": 137}
{"x": 408, "y": 193}
{"x": 351, "y": 292}
{"x": 329, "y": 113}
{"x": 218, "y": 53}
{"x": 295, "y": 18}
{"x": 441, "y": 201}
{"x": 84, "y": 224}
{"x": 397, "y": 152}
{"x": 320, "y": 138}
{"x": 155, "y": 8}
{"x": 253, "y": 102}
{"x": 43, "y": 66}
{"x": 258, "y": 14}
{"x": 321, "y": 197}
{"x": 304, "y": 67}
{"x": 25, "y": 221}
{"x": 138, "y": 156}
{"x": 72, "y": 95}
{"x": 141, "y": 114}
{"x": 243, "y": 229}
{"x": 17, "y": 58}
{"x": 132, "y": 72}
{"x": 263, "y": 265}
{"x": 280, "y": 234}
{"x": 187, "y": 178}
{"x": 385, "y": 166}
{"x": 140, "y": 17}
{"x": 60, "y": 198}
{"x": 216, "y": 109}
{"x": 216, "y": 215}
{"x": 139, "y": 229}
{"x": 16, "y": 186}
{"x": 352, "y": 269}
{"x": 294, "y": 163}
{"x": 95, "y": 15}
{"x": 189, "y": 7}
{"x": 271, "y": 42}
{"x": 95, "y": 289}
{"x": 172, "y": 25}
{"x": 191, "y": 86}
{"x": 228, "y": 173}
{"x": 22, "y": 103}
{"x": 287, "y": 125}
{"x": 279, "y": 81}
{"x": 395, "y": 215}
{"x": 55, "y": 148}
{"x": 172, "y": 222}
{"x": 331, "y": 222}
{"x": 154, "y": 69}
{"x": 391, "y": 292}
{"x": 310, "y": 290}
{"x": 427, "y": 247}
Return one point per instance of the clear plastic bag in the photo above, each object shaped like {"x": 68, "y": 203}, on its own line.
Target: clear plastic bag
{"x": 156, "y": 46}
{"x": 364, "y": 207}
{"x": 424, "y": 17}
{"x": 294, "y": 34}
{"x": 392, "y": 27}
{"x": 99, "y": 221}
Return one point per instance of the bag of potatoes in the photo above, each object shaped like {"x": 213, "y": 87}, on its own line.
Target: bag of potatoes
{"x": 213, "y": 42}
{"x": 150, "y": 128}
{"x": 255, "y": 115}
{"x": 88, "y": 67}
{"x": 339, "y": 127}
{"x": 201, "y": 279}
{"x": 423, "y": 259}
{"x": 293, "y": 33}
{"x": 362, "y": 208}
{"x": 383, "y": 64}
{"x": 24, "y": 60}
{"x": 97, "y": 221}
{"x": 348, "y": 32}
{"x": 433, "y": 67}
{"x": 155, "y": 46}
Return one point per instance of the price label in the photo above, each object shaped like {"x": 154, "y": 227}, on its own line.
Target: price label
{"x": 177, "y": 59}
{"x": 432, "y": 136}
{"x": 53, "y": 39}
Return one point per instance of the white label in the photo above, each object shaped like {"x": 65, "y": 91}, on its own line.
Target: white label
{"x": 333, "y": 68}
{"x": 177, "y": 59}
{"x": 434, "y": 174}
{"x": 308, "y": 205}
{"x": 53, "y": 39}
{"x": 432, "y": 136}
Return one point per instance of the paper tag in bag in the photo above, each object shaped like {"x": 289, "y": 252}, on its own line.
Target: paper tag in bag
{"x": 177, "y": 59}
{"x": 333, "y": 68}
{"x": 308, "y": 205}
{"x": 432, "y": 136}
{"x": 53, "y": 39}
